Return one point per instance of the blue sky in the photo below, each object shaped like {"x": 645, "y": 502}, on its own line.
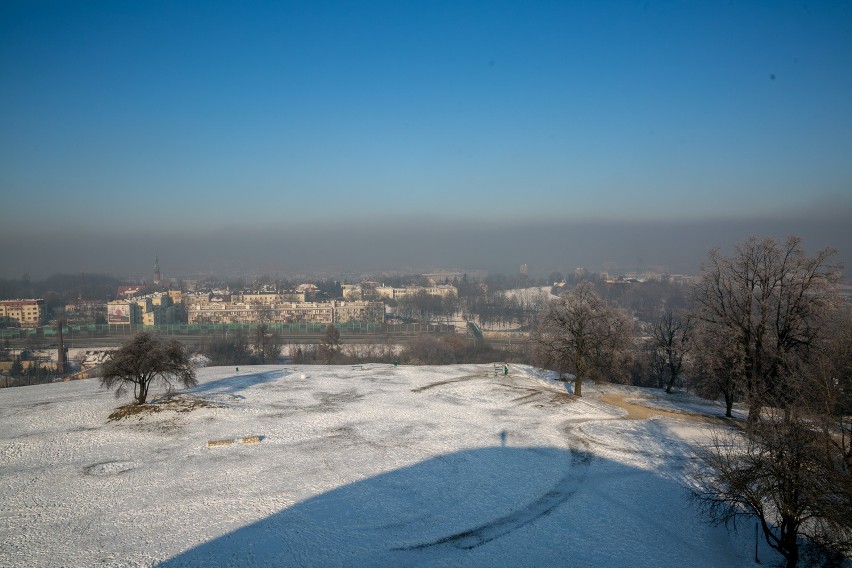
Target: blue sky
{"x": 182, "y": 117}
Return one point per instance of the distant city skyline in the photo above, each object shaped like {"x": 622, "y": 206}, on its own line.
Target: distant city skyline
{"x": 422, "y": 134}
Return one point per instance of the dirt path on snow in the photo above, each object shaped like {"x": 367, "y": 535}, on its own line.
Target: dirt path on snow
{"x": 640, "y": 412}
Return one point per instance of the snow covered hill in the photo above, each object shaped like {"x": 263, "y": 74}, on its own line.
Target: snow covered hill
{"x": 380, "y": 466}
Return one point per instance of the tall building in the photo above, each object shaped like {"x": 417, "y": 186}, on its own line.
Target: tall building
{"x": 26, "y": 313}
{"x": 157, "y": 275}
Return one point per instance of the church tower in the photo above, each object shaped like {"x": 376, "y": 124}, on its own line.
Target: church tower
{"x": 157, "y": 275}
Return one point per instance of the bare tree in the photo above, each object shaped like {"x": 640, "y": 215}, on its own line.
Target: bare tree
{"x": 671, "y": 336}
{"x": 329, "y": 347}
{"x": 716, "y": 368}
{"x": 143, "y": 360}
{"x": 837, "y": 383}
{"x": 791, "y": 469}
{"x": 788, "y": 474}
{"x": 582, "y": 334}
{"x": 772, "y": 300}
{"x": 266, "y": 344}
{"x": 231, "y": 350}
{"x": 428, "y": 350}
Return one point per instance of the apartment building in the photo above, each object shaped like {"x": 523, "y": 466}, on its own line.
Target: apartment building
{"x": 286, "y": 312}
{"x": 83, "y": 311}
{"x": 153, "y": 309}
{"x": 24, "y": 313}
{"x": 268, "y": 297}
{"x": 443, "y": 290}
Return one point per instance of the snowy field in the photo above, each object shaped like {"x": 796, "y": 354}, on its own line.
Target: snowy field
{"x": 380, "y": 466}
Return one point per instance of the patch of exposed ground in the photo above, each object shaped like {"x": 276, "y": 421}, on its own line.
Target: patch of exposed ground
{"x": 540, "y": 397}
{"x": 175, "y": 403}
{"x": 640, "y": 412}
{"x": 447, "y": 382}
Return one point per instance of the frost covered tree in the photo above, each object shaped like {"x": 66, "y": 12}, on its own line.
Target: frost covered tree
{"x": 582, "y": 334}
{"x": 771, "y": 330}
{"x": 671, "y": 336}
{"x": 715, "y": 369}
{"x": 791, "y": 471}
{"x": 144, "y": 360}
{"x": 773, "y": 301}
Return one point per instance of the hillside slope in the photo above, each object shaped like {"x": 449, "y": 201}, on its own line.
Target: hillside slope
{"x": 428, "y": 466}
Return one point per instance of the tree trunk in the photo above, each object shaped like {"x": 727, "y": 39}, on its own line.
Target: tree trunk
{"x": 729, "y": 404}
{"x": 754, "y": 412}
{"x": 789, "y": 541}
{"x": 143, "y": 393}
{"x": 673, "y": 373}
{"x": 793, "y": 558}
{"x": 578, "y": 386}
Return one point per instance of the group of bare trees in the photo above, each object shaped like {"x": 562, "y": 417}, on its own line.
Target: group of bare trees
{"x": 775, "y": 331}
{"x": 519, "y": 309}
{"x": 260, "y": 346}
{"x": 774, "y": 303}
{"x": 424, "y": 307}
{"x": 766, "y": 328}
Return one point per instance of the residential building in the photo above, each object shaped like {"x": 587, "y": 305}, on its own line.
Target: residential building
{"x": 268, "y": 297}
{"x": 129, "y": 291}
{"x": 352, "y": 291}
{"x": 373, "y": 312}
{"x": 443, "y": 290}
{"x": 153, "y": 309}
{"x": 123, "y": 312}
{"x": 83, "y": 311}
{"x": 442, "y": 277}
{"x": 24, "y": 313}
{"x": 286, "y": 312}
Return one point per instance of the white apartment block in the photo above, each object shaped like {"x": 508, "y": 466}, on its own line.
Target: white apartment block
{"x": 443, "y": 290}
{"x": 287, "y": 312}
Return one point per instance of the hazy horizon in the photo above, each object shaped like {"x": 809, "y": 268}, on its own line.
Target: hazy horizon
{"x": 341, "y": 137}
{"x": 672, "y": 246}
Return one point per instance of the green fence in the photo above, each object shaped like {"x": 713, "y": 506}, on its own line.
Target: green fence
{"x": 222, "y": 330}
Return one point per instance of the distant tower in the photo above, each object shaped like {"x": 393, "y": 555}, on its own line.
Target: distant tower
{"x": 523, "y": 275}
{"x": 157, "y": 275}
{"x": 61, "y": 359}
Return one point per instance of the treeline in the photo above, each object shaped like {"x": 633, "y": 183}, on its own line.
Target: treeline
{"x": 264, "y": 346}
{"x": 764, "y": 327}
{"x": 260, "y": 347}
{"x": 33, "y": 373}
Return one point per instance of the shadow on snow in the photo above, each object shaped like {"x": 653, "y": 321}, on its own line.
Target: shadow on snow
{"x": 234, "y": 384}
{"x": 502, "y": 506}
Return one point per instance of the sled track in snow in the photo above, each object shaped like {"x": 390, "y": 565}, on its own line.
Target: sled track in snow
{"x": 573, "y": 479}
